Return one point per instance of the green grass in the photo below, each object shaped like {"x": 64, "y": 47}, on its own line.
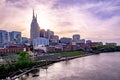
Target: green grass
{"x": 72, "y": 53}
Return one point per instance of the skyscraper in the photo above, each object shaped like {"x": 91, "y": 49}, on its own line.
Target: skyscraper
{"x": 3, "y": 36}
{"x": 15, "y": 36}
{"x": 35, "y": 29}
{"x": 49, "y": 34}
{"x": 42, "y": 33}
{"x": 76, "y": 37}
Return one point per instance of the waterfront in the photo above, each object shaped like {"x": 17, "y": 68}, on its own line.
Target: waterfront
{"x": 104, "y": 66}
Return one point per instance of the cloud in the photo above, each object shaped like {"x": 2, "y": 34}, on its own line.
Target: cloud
{"x": 100, "y": 8}
{"x": 99, "y": 19}
{"x": 21, "y": 4}
{"x": 106, "y": 10}
{"x": 94, "y": 19}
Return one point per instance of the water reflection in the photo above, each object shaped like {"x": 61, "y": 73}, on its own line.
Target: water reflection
{"x": 96, "y": 67}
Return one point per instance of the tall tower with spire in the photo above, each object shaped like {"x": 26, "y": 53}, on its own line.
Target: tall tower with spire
{"x": 35, "y": 29}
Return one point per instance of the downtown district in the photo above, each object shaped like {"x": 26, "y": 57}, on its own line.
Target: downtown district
{"x": 12, "y": 42}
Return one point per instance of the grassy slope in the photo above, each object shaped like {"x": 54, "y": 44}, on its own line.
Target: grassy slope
{"x": 72, "y": 53}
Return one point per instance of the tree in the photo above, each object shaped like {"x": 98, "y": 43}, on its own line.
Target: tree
{"x": 23, "y": 60}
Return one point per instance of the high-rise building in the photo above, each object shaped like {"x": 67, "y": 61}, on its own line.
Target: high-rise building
{"x": 35, "y": 29}
{"x": 66, "y": 40}
{"x": 3, "y": 36}
{"x": 42, "y": 33}
{"x": 76, "y": 37}
{"x": 54, "y": 40}
{"x": 49, "y": 34}
{"x": 15, "y": 36}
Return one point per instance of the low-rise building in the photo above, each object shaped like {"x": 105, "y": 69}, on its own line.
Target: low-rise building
{"x": 67, "y": 47}
{"x": 88, "y": 41}
{"x": 25, "y": 40}
{"x": 94, "y": 44}
{"x": 40, "y": 41}
{"x": 111, "y": 44}
{"x": 13, "y": 50}
{"x": 51, "y": 49}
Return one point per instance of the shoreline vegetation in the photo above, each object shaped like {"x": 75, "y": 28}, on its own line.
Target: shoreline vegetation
{"x": 24, "y": 64}
{"x": 22, "y": 67}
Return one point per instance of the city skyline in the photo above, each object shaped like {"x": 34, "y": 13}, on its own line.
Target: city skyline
{"x": 97, "y": 20}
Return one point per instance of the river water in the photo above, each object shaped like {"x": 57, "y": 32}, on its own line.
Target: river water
{"x": 104, "y": 66}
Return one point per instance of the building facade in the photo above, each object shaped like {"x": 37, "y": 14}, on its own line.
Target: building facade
{"x": 76, "y": 37}
{"x": 15, "y": 37}
{"x": 66, "y": 40}
{"x": 111, "y": 44}
{"x": 49, "y": 34}
{"x": 42, "y": 33}
{"x": 3, "y": 36}
{"x": 54, "y": 40}
{"x": 35, "y": 29}
{"x": 40, "y": 41}
{"x": 25, "y": 40}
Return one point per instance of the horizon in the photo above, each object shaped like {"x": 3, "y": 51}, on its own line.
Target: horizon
{"x": 96, "y": 20}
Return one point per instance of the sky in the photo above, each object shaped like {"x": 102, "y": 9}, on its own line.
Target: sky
{"x": 98, "y": 20}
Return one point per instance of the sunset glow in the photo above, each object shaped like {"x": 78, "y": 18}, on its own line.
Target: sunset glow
{"x": 98, "y": 20}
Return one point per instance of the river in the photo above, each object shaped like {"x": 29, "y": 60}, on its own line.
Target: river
{"x": 104, "y": 66}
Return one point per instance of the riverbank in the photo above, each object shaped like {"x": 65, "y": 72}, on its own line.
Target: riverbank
{"x": 64, "y": 56}
{"x": 43, "y": 64}
{"x": 95, "y": 67}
